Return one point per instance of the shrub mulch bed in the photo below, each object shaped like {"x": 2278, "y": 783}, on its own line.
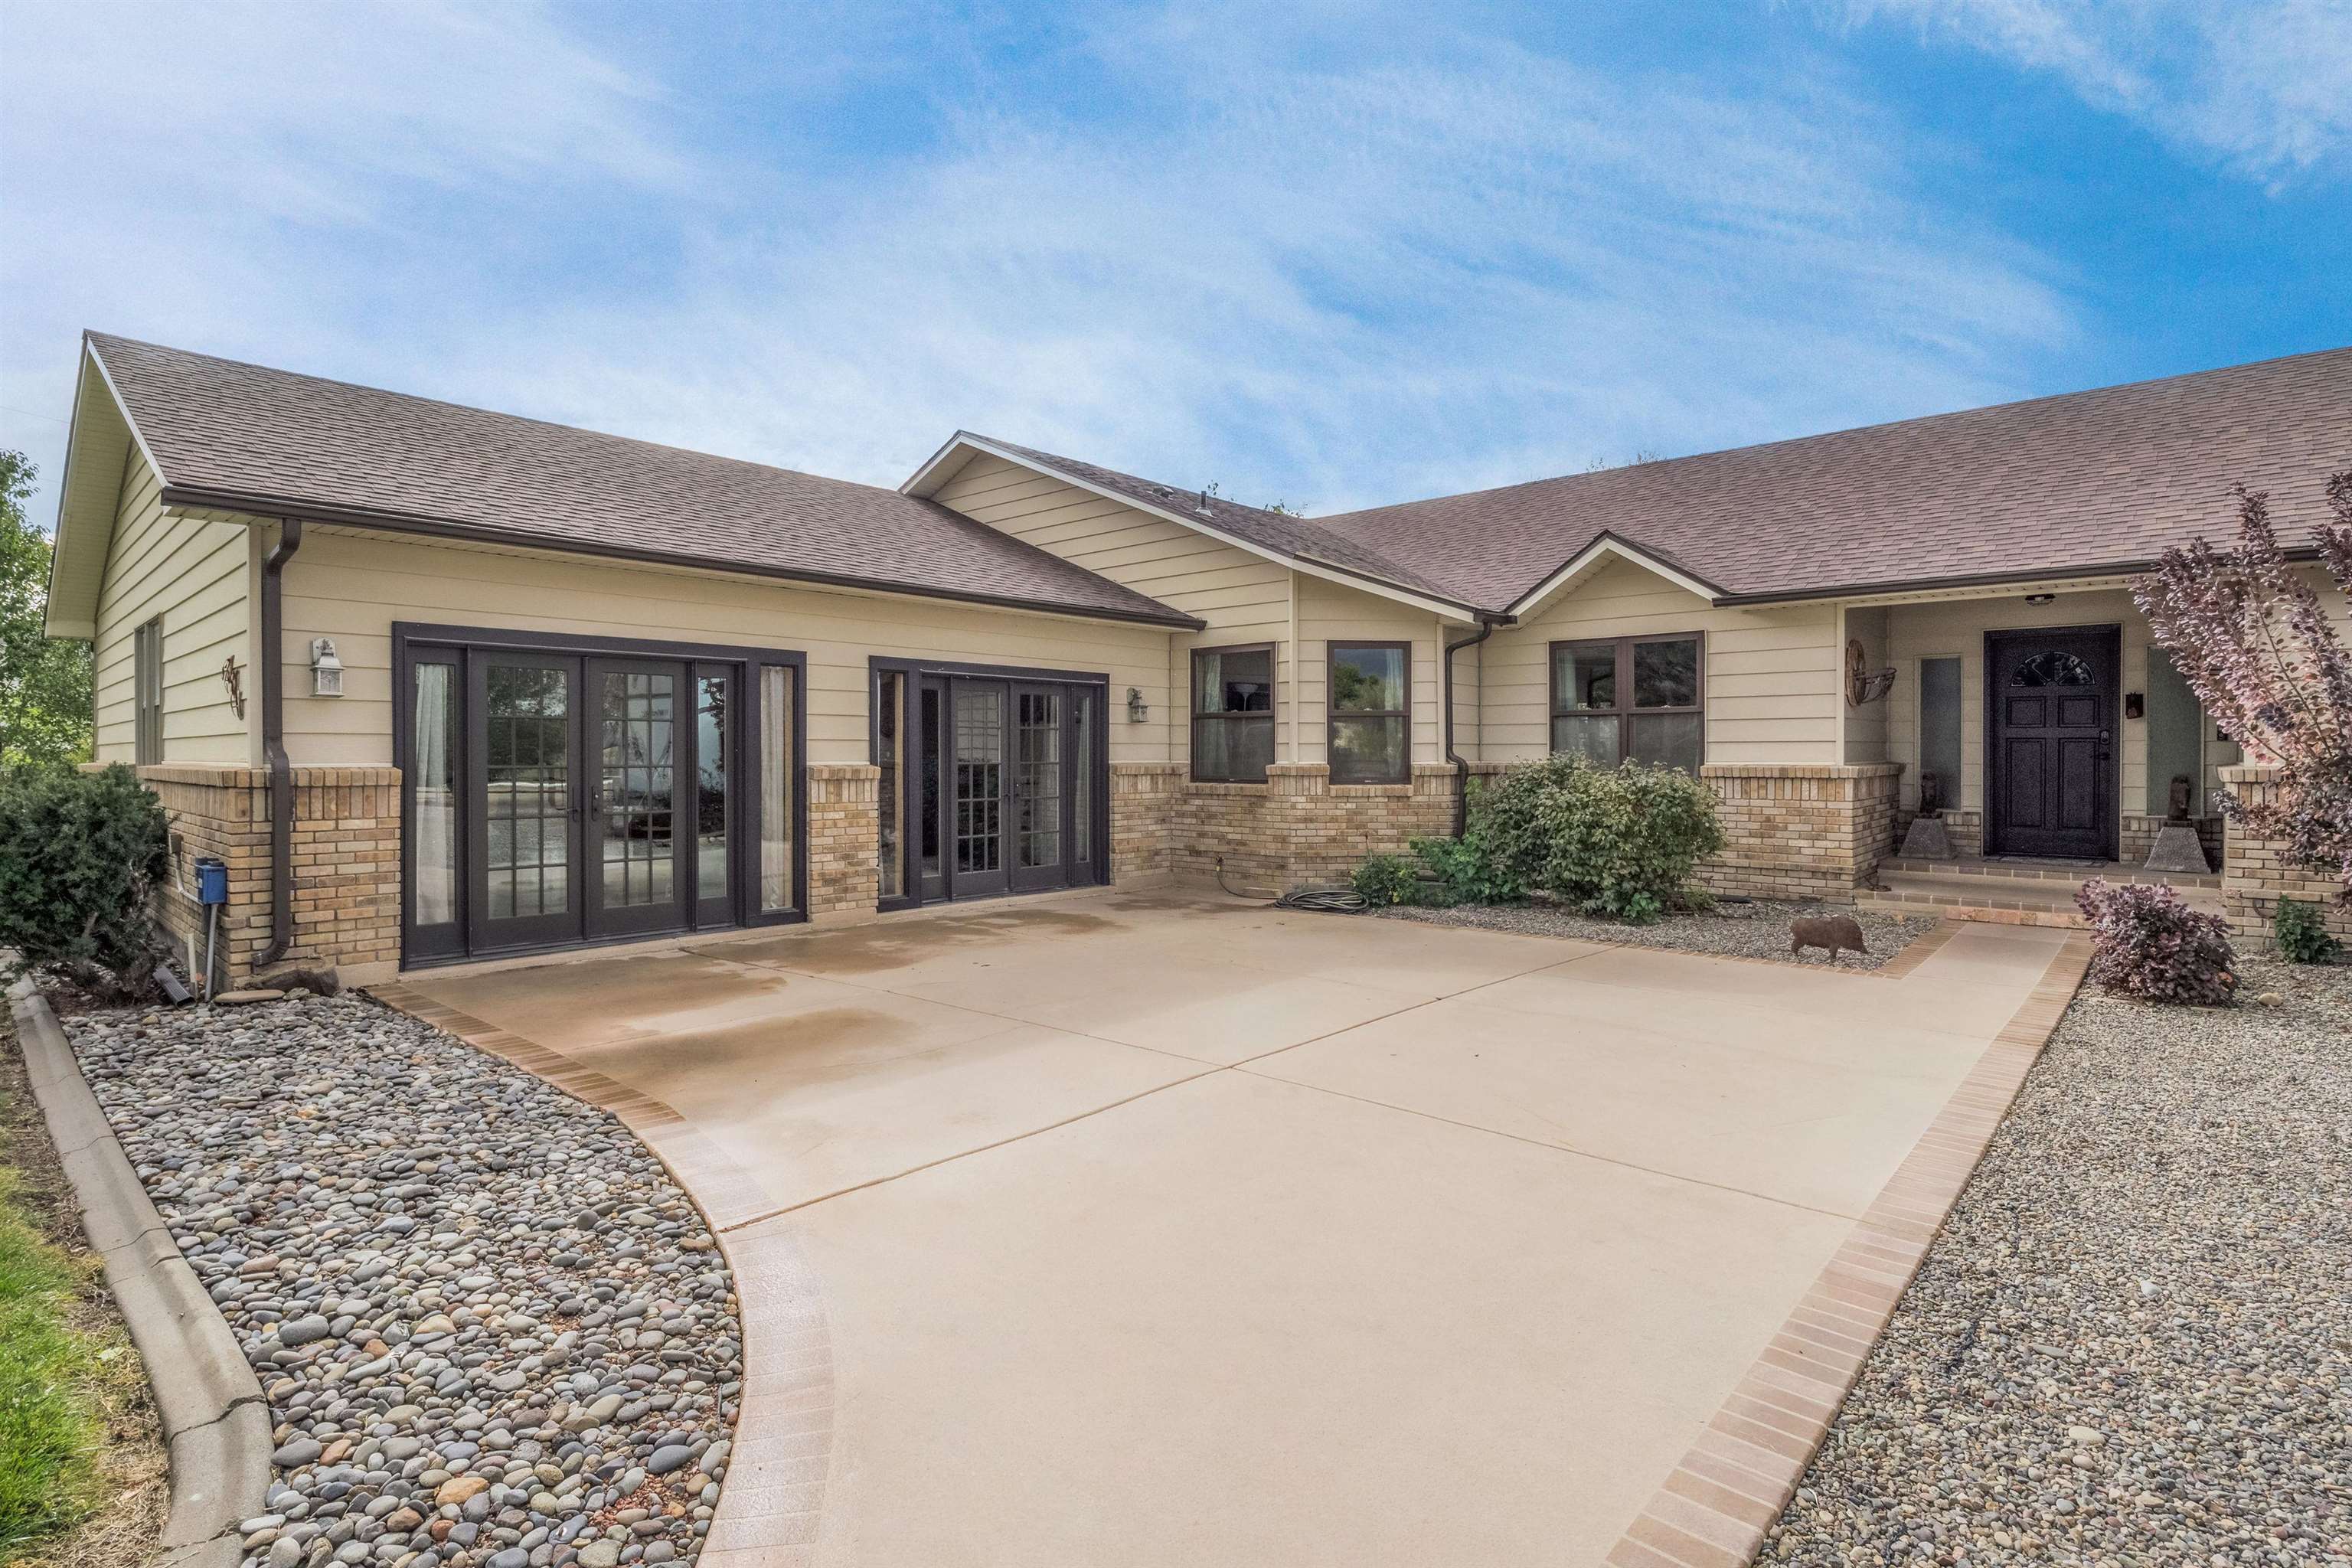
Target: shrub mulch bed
{"x": 491, "y": 1329}
{"x": 1758, "y": 929}
{"x": 2132, "y": 1341}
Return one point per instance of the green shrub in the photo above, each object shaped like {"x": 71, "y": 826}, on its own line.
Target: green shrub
{"x": 1386, "y": 879}
{"x": 1467, "y": 870}
{"x": 2302, "y": 934}
{"x": 1620, "y": 842}
{"x": 78, "y": 853}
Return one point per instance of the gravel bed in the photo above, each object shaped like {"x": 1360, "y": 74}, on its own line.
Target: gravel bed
{"x": 1758, "y": 929}
{"x": 2132, "y": 1343}
{"x": 490, "y": 1327}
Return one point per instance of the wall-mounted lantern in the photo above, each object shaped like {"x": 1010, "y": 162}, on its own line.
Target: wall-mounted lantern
{"x": 325, "y": 670}
{"x": 1138, "y": 710}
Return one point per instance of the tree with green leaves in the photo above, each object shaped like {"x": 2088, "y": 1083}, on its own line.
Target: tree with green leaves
{"x": 45, "y": 697}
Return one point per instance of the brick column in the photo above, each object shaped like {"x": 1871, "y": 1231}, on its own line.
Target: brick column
{"x": 2256, "y": 872}
{"x": 1142, "y": 824}
{"x": 1801, "y": 831}
{"x": 346, "y": 853}
{"x": 844, "y": 836}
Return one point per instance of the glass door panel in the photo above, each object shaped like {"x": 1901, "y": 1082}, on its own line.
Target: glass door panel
{"x": 978, "y": 821}
{"x": 714, "y": 810}
{"x": 524, "y": 785}
{"x": 930, "y": 799}
{"x": 638, "y": 840}
{"x": 1040, "y": 761}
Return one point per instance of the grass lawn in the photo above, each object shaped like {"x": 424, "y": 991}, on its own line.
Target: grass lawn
{"x": 82, "y": 1473}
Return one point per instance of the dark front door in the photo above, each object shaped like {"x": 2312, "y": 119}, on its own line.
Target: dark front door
{"x": 2050, "y": 754}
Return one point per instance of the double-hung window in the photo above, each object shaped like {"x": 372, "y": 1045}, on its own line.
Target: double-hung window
{"x": 1638, "y": 698}
{"x": 1371, "y": 713}
{"x": 1233, "y": 713}
{"x": 147, "y": 691}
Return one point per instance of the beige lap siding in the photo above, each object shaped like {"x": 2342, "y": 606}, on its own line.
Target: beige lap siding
{"x": 194, "y": 575}
{"x": 1244, "y": 597}
{"x": 1771, "y": 675}
{"x": 352, "y": 586}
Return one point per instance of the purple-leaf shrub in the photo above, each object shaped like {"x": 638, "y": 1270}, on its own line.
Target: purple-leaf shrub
{"x": 2152, "y": 946}
{"x": 2253, "y": 639}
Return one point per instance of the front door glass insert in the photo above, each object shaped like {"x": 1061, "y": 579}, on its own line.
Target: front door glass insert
{"x": 528, "y": 795}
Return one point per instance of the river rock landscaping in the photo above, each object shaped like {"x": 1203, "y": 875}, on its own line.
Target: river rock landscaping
{"x": 1756, "y": 929}
{"x": 492, "y": 1332}
{"x": 2132, "y": 1341}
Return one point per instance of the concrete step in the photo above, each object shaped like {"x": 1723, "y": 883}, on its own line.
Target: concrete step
{"x": 2045, "y": 899}
{"x": 2073, "y": 872}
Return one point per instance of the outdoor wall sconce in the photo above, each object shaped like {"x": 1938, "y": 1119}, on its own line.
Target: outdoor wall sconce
{"x": 1138, "y": 710}
{"x": 325, "y": 670}
{"x": 2134, "y": 705}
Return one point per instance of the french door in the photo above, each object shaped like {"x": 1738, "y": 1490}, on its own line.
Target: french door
{"x": 553, "y": 797}
{"x": 1002, "y": 780}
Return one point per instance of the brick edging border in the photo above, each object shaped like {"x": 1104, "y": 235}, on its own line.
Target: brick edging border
{"x": 773, "y": 1495}
{"x": 1736, "y": 1478}
{"x": 215, "y": 1421}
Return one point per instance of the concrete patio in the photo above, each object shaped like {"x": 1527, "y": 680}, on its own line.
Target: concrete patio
{"x": 1164, "y": 1228}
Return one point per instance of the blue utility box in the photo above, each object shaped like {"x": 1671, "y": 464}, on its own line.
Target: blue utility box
{"x": 212, "y": 880}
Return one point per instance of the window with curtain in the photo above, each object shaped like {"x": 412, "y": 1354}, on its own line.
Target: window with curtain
{"x": 779, "y": 731}
{"x": 1370, "y": 699}
{"x": 1638, "y": 698}
{"x": 1233, "y": 713}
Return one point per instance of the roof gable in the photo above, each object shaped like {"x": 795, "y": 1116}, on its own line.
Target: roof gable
{"x": 99, "y": 445}
{"x": 1297, "y": 541}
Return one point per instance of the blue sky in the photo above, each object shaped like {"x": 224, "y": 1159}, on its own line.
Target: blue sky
{"x": 1343, "y": 254}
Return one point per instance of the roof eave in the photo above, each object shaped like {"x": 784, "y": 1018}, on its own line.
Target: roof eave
{"x": 1607, "y": 544}
{"x": 2036, "y": 574}
{"x": 69, "y": 603}
{"x": 312, "y": 511}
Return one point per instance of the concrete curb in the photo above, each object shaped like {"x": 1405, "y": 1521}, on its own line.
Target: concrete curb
{"x": 216, "y": 1421}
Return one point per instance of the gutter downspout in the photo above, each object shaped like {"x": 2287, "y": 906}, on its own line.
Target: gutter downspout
{"x": 273, "y": 744}
{"x": 1487, "y": 625}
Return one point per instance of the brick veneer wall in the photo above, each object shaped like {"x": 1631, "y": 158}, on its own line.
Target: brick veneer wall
{"x": 346, "y": 853}
{"x": 2256, "y": 872}
{"x": 1296, "y": 829}
{"x": 1801, "y": 831}
{"x": 845, "y": 835}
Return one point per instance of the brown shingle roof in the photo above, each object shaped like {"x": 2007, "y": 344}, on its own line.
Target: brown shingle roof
{"x": 2075, "y": 484}
{"x": 250, "y": 438}
{"x": 1297, "y": 537}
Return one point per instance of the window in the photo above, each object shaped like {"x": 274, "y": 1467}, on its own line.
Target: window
{"x": 1629, "y": 697}
{"x": 1233, "y": 713}
{"x": 1371, "y": 713}
{"x": 147, "y": 691}
{"x": 890, "y": 756}
{"x": 779, "y": 773}
{"x": 2054, "y": 668}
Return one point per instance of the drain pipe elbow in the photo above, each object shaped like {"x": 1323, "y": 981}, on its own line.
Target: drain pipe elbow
{"x": 1487, "y": 625}
{"x": 273, "y": 742}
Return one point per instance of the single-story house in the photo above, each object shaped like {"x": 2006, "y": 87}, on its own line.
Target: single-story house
{"x": 441, "y": 684}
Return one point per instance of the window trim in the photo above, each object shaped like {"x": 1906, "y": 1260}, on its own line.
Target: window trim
{"x": 1624, "y": 711}
{"x": 1332, "y": 716}
{"x": 147, "y": 691}
{"x": 1194, "y": 715}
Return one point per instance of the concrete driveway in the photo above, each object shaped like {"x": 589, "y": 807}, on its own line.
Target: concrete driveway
{"x": 1163, "y": 1228}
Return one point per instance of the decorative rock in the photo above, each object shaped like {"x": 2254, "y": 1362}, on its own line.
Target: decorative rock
{"x": 246, "y": 998}
{"x": 675, "y": 1456}
{"x": 373, "y": 1207}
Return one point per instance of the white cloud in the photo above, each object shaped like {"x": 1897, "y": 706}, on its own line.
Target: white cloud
{"x": 2264, "y": 86}
{"x": 1397, "y": 272}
